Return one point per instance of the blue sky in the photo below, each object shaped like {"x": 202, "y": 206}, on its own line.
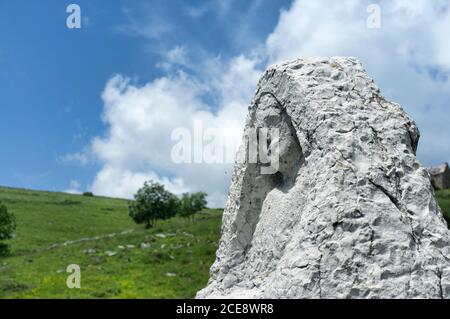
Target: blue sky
{"x": 51, "y": 78}
{"x": 74, "y": 103}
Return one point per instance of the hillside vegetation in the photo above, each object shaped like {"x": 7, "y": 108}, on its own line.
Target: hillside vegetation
{"x": 118, "y": 258}
{"x": 443, "y": 197}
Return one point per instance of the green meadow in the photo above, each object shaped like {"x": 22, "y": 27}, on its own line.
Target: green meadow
{"x": 118, "y": 259}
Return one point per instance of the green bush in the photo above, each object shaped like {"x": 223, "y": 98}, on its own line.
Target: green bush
{"x": 88, "y": 194}
{"x": 152, "y": 202}
{"x": 7, "y": 227}
{"x": 190, "y": 204}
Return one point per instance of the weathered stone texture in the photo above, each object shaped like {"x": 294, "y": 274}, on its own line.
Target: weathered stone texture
{"x": 351, "y": 214}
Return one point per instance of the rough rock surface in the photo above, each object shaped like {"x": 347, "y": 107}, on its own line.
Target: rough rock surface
{"x": 351, "y": 212}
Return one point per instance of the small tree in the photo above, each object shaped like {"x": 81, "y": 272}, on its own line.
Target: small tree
{"x": 152, "y": 202}
{"x": 185, "y": 205}
{"x": 199, "y": 201}
{"x": 190, "y": 204}
{"x": 7, "y": 227}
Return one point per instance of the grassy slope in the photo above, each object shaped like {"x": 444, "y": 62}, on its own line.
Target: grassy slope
{"x": 444, "y": 201}
{"x": 36, "y": 270}
{"x": 44, "y": 219}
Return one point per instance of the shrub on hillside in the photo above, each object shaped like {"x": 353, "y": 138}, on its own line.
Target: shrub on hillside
{"x": 152, "y": 202}
{"x": 88, "y": 194}
{"x": 190, "y": 204}
{"x": 7, "y": 227}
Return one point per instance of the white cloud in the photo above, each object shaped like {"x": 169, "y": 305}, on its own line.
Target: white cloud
{"x": 411, "y": 30}
{"x": 141, "y": 119}
{"x": 400, "y": 56}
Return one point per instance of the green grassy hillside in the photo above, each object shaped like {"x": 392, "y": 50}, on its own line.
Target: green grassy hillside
{"x": 55, "y": 230}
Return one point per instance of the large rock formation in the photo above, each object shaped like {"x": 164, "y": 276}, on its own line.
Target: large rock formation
{"x": 350, "y": 214}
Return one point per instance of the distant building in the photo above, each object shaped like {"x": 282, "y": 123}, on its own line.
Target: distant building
{"x": 440, "y": 176}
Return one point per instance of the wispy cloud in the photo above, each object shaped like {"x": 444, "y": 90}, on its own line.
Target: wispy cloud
{"x": 208, "y": 7}
{"x": 80, "y": 158}
{"x": 144, "y": 20}
{"x": 176, "y": 57}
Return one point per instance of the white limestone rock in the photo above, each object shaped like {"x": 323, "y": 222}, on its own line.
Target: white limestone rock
{"x": 350, "y": 214}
